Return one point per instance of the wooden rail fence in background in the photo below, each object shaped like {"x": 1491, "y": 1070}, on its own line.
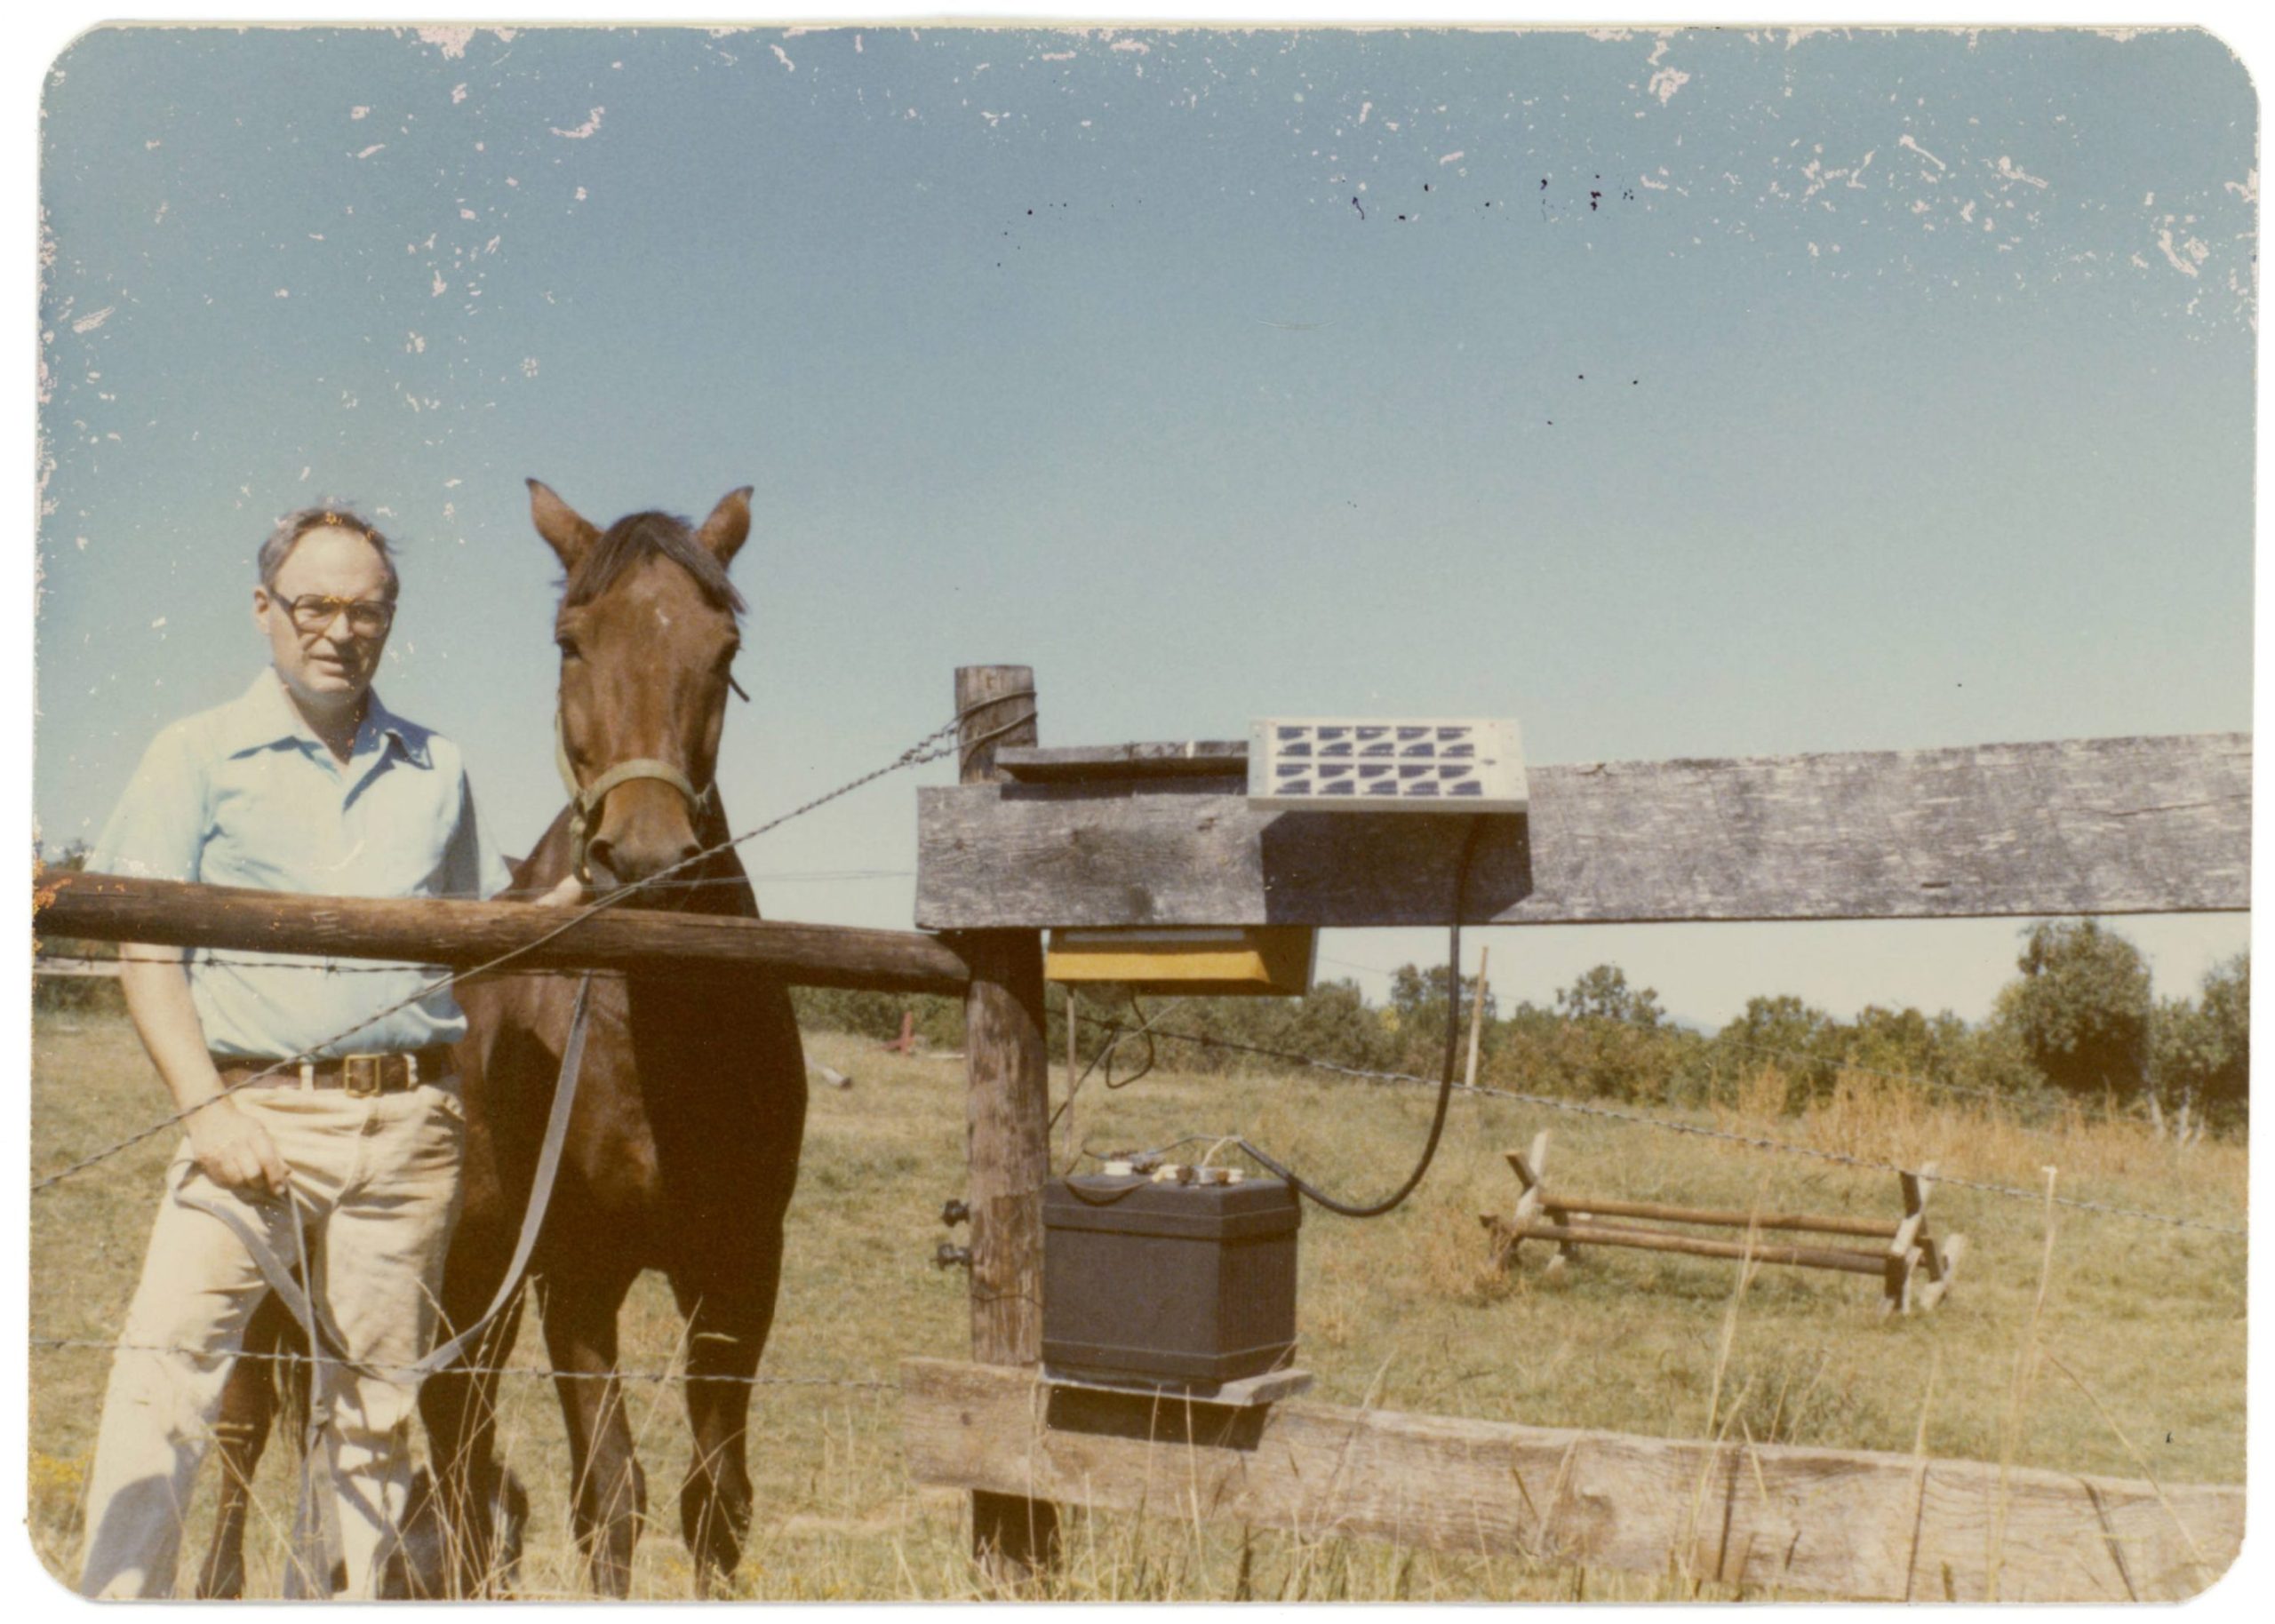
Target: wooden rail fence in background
{"x": 1906, "y": 1248}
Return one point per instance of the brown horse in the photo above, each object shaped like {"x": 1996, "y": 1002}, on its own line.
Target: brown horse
{"x": 682, "y": 1147}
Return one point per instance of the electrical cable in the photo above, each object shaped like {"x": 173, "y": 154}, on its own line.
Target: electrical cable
{"x": 1445, "y": 1085}
{"x": 1115, "y": 1036}
{"x": 1144, "y": 1031}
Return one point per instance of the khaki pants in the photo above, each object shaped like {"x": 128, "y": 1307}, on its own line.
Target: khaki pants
{"x": 379, "y": 1181}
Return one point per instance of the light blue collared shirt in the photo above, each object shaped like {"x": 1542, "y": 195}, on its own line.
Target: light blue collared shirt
{"x": 246, "y": 794}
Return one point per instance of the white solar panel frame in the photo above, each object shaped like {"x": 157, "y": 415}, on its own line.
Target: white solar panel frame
{"x": 1291, "y": 767}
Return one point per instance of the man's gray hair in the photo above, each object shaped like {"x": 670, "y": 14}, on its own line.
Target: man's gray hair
{"x": 300, "y": 520}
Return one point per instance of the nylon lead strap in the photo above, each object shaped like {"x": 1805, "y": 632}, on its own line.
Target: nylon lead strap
{"x": 548, "y": 1167}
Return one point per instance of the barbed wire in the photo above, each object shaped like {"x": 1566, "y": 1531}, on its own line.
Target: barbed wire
{"x": 930, "y": 748}
{"x": 290, "y": 1357}
{"x": 1719, "y": 1039}
{"x": 1699, "y": 1130}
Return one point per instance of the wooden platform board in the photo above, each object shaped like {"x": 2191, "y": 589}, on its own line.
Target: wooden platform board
{"x": 1245, "y": 1393}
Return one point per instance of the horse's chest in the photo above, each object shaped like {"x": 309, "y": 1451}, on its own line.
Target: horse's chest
{"x": 671, "y": 1139}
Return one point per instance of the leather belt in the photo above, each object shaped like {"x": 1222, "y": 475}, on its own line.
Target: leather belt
{"x": 359, "y": 1076}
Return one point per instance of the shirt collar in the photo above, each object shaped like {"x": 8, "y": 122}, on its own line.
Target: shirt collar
{"x": 264, "y": 715}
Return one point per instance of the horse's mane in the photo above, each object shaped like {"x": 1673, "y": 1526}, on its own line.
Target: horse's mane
{"x": 637, "y": 537}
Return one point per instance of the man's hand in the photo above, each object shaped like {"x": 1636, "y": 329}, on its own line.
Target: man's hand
{"x": 568, "y": 894}
{"x": 230, "y": 1148}
{"x": 236, "y": 1151}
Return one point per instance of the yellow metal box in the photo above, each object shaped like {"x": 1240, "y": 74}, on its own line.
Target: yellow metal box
{"x": 1208, "y": 962}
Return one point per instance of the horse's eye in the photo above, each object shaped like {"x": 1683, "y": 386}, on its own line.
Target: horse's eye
{"x": 568, "y": 647}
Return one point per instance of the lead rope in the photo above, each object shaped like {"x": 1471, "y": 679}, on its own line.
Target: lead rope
{"x": 315, "y": 1522}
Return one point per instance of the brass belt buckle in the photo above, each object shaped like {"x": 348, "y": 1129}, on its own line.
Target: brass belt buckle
{"x": 363, "y": 1076}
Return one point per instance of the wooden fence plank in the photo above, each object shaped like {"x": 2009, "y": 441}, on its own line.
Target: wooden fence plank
{"x": 2127, "y": 826}
{"x": 1832, "y": 1522}
{"x": 426, "y": 930}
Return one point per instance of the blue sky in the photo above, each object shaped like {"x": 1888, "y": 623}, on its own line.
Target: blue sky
{"x": 1717, "y": 394}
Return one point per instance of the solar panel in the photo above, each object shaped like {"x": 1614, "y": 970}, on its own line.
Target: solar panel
{"x": 1346, "y": 765}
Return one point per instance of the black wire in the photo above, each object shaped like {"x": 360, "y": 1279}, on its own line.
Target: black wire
{"x": 1144, "y": 1031}
{"x": 1446, "y": 1082}
{"x": 1105, "y": 1057}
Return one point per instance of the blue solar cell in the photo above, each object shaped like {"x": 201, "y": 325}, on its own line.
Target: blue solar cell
{"x": 1302, "y": 786}
{"x": 1288, "y": 733}
{"x": 1447, "y": 733}
{"x": 1342, "y": 749}
{"x": 1301, "y": 749}
{"x": 1335, "y": 772}
{"x": 1290, "y": 769}
{"x": 1471, "y": 788}
{"x": 1345, "y": 788}
{"x": 1419, "y": 770}
{"x": 1327, "y": 733}
{"x": 1453, "y": 753}
{"x": 1413, "y": 733}
{"x": 1454, "y": 772}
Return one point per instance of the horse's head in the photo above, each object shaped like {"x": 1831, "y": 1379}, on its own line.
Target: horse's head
{"x": 647, "y": 631}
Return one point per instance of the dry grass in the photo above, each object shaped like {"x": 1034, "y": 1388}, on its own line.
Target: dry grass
{"x": 2147, "y": 1322}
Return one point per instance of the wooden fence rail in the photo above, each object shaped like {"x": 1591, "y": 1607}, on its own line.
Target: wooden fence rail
{"x": 1906, "y": 1248}
{"x": 116, "y": 908}
{"x": 1836, "y": 1522}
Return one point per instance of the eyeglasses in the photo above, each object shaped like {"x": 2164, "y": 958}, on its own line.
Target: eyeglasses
{"x": 314, "y": 613}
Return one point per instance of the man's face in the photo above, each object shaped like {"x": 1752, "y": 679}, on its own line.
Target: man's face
{"x": 331, "y": 667}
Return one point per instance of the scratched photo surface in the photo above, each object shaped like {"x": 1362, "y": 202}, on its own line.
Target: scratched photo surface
{"x": 1684, "y": 395}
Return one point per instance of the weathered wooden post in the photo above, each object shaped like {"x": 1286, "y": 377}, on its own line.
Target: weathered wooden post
{"x": 1007, "y": 1125}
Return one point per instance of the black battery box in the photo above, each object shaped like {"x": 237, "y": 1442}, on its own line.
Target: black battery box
{"x": 1180, "y": 1285}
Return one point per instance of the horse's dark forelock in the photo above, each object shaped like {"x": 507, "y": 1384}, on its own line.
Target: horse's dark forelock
{"x": 637, "y": 537}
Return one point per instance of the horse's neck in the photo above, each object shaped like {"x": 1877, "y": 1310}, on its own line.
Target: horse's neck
{"x": 737, "y": 897}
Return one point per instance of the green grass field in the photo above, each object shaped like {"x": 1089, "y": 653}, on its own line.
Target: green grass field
{"x": 1405, "y": 1313}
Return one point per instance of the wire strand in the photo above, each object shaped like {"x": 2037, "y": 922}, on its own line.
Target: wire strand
{"x": 926, "y": 749}
{"x": 288, "y": 1357}
{"x": 1755, "y": 1141}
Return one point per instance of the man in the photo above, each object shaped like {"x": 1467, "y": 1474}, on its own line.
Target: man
{"x": 306, "y": 782}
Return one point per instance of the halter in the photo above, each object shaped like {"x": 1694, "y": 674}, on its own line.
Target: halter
{"x": 585, "y": 801}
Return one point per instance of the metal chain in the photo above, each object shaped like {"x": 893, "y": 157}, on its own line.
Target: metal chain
{"x": 927, "y": 749}
{"x": 1641, "y": 1119}
{"x": 208, "y": 1356}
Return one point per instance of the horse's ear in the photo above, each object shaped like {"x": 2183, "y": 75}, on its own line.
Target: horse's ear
{"x": 565, "y": 530}
{"x": 728, "y": 526}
